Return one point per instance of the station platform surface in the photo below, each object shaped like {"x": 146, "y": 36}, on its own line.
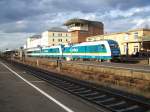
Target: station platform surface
{"x": 22, "y": 92}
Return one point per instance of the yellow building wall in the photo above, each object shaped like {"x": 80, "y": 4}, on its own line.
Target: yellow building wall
{"x": 146, "y": 33}
{"x": 56, "y": 38}
{"x": 133, "y": 38}
{"x": 119, "y": 38}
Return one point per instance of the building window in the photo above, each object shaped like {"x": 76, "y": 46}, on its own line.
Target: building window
{"x": 53, "y": 44}
{"x": 136, "y": 49}
{"x": 89, "y": 39}
{"x": 66, "y": 40}
{"x": 59, "y": 34}
{"x": 136, "y": 35}
{"x": 126, "y": 37}
{"x": 59, "y": 40}
{"x": 66, "y": 35}
{"x": 125, "y": 48}
{"x": 53, "y": 40}
{"x": 53, "y": 34}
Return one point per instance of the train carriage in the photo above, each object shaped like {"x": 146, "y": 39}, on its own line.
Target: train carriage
{"x": 54, "y": 51}
{"x": 100, "y": 50}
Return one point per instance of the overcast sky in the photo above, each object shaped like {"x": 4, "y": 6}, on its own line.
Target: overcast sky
{"x": 22, "y": 18}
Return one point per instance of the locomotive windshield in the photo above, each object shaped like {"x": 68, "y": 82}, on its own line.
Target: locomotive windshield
{"x": 113, "y": 46}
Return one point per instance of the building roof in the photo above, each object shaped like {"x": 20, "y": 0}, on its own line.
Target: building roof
{"x": 126, "y": 32}
{"x": 82, "y": 21}
{"x": 140, "y": 29}
{"x": 35, "y": 36}
{"x": 57, "y": 29}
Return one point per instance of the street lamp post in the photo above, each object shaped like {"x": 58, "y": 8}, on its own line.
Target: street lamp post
{"x": 40, "y": 47}
{"x": 62, "y": 47}
{"x": 22, "y": 54}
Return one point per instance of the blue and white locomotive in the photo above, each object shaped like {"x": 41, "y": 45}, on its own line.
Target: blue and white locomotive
{"x": 100, "y": 50}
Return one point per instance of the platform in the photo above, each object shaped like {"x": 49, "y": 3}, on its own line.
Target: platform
{"x": 17, "y": 95}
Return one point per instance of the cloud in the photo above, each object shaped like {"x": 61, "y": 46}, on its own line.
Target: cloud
{"x": 13, "y": 40}
{"x": 141, "y": 22}
{"x": 25, "y": 17}
{"x": 128, "y": 13}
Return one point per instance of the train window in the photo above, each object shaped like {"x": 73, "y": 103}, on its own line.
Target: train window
{"x": 55, "y": 50}
{"x": 116, "y": 46}
{"x": 29, "y": 51}
{"x": 77, "y": 49}
{"x": 112, "y": 46}
{"x": 93, "y": 48}
{"x": 102, "y": 46}
{"x": 45, "y": 50}
{"x": 67, "y": 49}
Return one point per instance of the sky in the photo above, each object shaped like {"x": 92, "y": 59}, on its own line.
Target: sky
{"x": 20, "y": 19}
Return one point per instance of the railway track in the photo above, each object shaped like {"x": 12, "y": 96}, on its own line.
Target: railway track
{"x": 111, "y": 100}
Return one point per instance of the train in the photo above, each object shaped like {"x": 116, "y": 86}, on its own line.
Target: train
{"x": 99, "y": 50}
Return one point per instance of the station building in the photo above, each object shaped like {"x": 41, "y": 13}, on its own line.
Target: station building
{"x": 80, "y": 29}
{"x": 33, "y": 41}
{"x": 55, "y": 36}
{"x": 51, "y": 37}
{"x": 130, "y": 42}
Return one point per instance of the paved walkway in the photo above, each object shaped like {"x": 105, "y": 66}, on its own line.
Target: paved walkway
{"x": 22, "y": 92}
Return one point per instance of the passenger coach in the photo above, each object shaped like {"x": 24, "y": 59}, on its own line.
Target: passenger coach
{"x": 53, "y": 52}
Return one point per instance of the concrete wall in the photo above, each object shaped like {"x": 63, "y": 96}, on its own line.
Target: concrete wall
{"x": 137, "y": 82}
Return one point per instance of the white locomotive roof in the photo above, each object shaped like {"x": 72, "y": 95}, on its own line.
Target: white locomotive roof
{"x": 52, "y": 47}
{"x": 91, "y": 43}
{"x": 88, "y": 43}
{"x": 37, "y": 48}
{"x": 32, "y": 49}
{"x": 75, "y": 45}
